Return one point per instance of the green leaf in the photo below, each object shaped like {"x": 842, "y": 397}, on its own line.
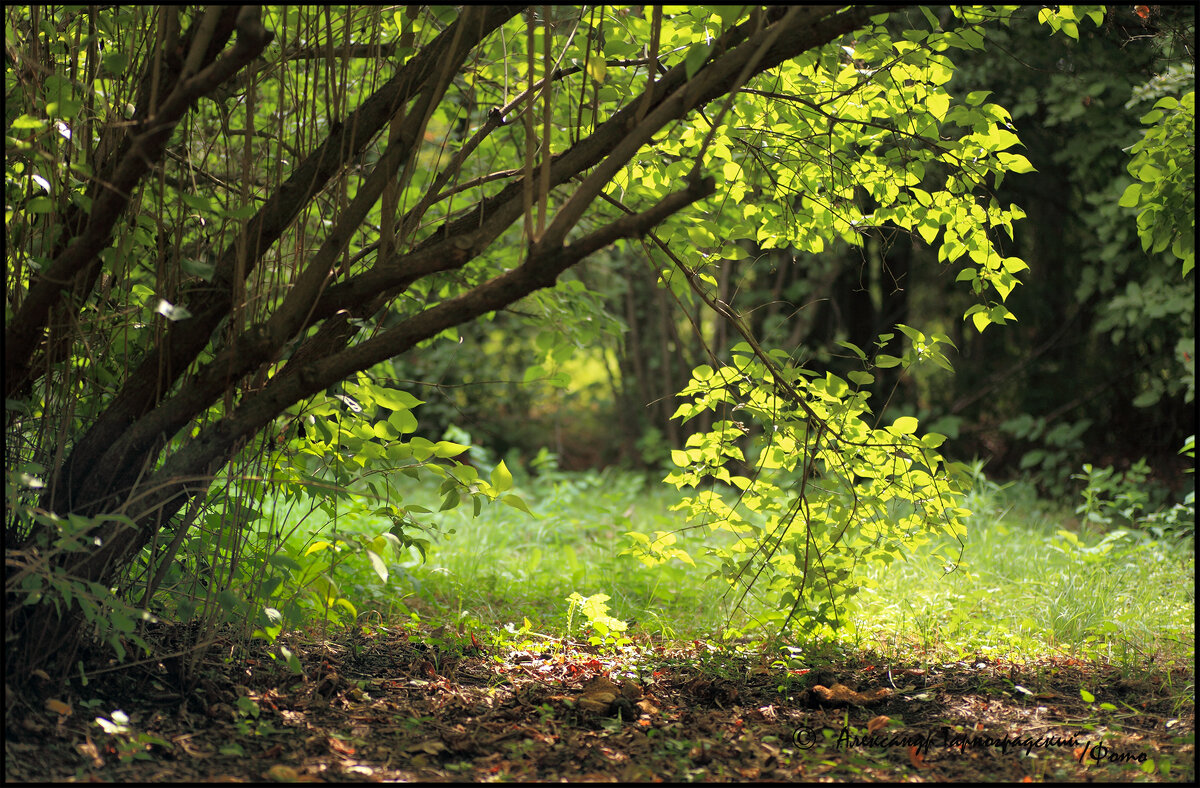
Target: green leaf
{"x": 905, "y": 425}
{"x": 29, "y": 122}
{"x": 66, "y": 108}
{"x": 938, "y": 104}
{"x": 853, "y": 348}
{"x": 115, "y": 63}
{"x": 501, "y": 477}
{"x": 395, "y": 399}
{"x": 403, "y": 421}
{"x": 932, "y": 440}
{"x": 597, "y": 69}
{"x": 1147, "y": 398}
{"x": 1014, "y": 162}
{"x": 448, "y": 449}
{"x": 729, "y": 14}
{"x": 198, "y": 268}
{"x": 199, "y": 202}
{"x": 293, "y": 662}
{"x": 1131, "y": 196}
{"x": 517, "y": 502}
{"x": 860, "y": 377}
{"x": 695, "y": 58}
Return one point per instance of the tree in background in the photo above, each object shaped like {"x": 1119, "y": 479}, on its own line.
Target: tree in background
{"x": 223, "y": 221}
{"x": 1098, "y": 366}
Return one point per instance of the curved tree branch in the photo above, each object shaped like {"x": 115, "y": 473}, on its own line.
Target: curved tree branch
{"x": 303, "y": 377}
{"x": 184, "y": 340}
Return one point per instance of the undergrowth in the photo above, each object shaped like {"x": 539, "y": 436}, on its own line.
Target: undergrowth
{"x": 1031, "y": 581}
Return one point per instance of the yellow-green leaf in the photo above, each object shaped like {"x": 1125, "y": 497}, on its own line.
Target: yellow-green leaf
{"x": 448, "y": 449}
{"x": 597, "y": 69}
{"x": 516, "y": 502}
{"x": 501, "y": 477}
{"x": 1131, "y": 196}
{"x": 378, "y": 565}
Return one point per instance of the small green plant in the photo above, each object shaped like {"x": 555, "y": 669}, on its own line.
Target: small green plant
{"x": 37, "y": 576}
{"x": 799, "y": 472}
{"x": 344, "y": 456}
{"x": 1180, "y": 518}
{"x": 607, "y": 629}
{"x": 1111, "y": 498}
{"x": 1126, "y": 500}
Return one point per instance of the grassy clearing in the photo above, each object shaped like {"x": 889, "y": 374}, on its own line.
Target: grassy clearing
{"x": 1029, "y": 584}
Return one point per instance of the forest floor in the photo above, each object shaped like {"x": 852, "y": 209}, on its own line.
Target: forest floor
{"x": 385, "y": 706}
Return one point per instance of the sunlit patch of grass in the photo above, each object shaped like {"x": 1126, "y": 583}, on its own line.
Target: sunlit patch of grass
{"x": 1028, "y": 585}
{"x": 504, "y": 566}
{"x": 510, "y": 566}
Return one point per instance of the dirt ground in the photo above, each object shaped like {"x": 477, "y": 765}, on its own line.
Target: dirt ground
{"x": 382, "y": 707}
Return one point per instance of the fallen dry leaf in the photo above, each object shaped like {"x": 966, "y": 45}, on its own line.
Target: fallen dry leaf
{"x": 595, "y": 705}
{"x": 917, "y": 759}
{"x": 598, "y": 695}
{"x": 58, "y": 707}
{"x": 646, "y": 706}
{"x": 840, "y": 694}
{"x": 340, "y": 747}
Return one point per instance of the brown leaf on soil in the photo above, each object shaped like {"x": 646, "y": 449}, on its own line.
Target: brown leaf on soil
{"x": 841, "y": 695}
{"x": 58, "y": 707}
{"x": 340, "y": 747}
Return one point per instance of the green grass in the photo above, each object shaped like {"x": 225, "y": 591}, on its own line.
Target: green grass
{"x": 1031, "y": 584}
{"x": 1024, "y": 588}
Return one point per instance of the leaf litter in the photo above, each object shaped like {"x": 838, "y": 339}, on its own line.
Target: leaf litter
{"x": 389, "y": 705}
